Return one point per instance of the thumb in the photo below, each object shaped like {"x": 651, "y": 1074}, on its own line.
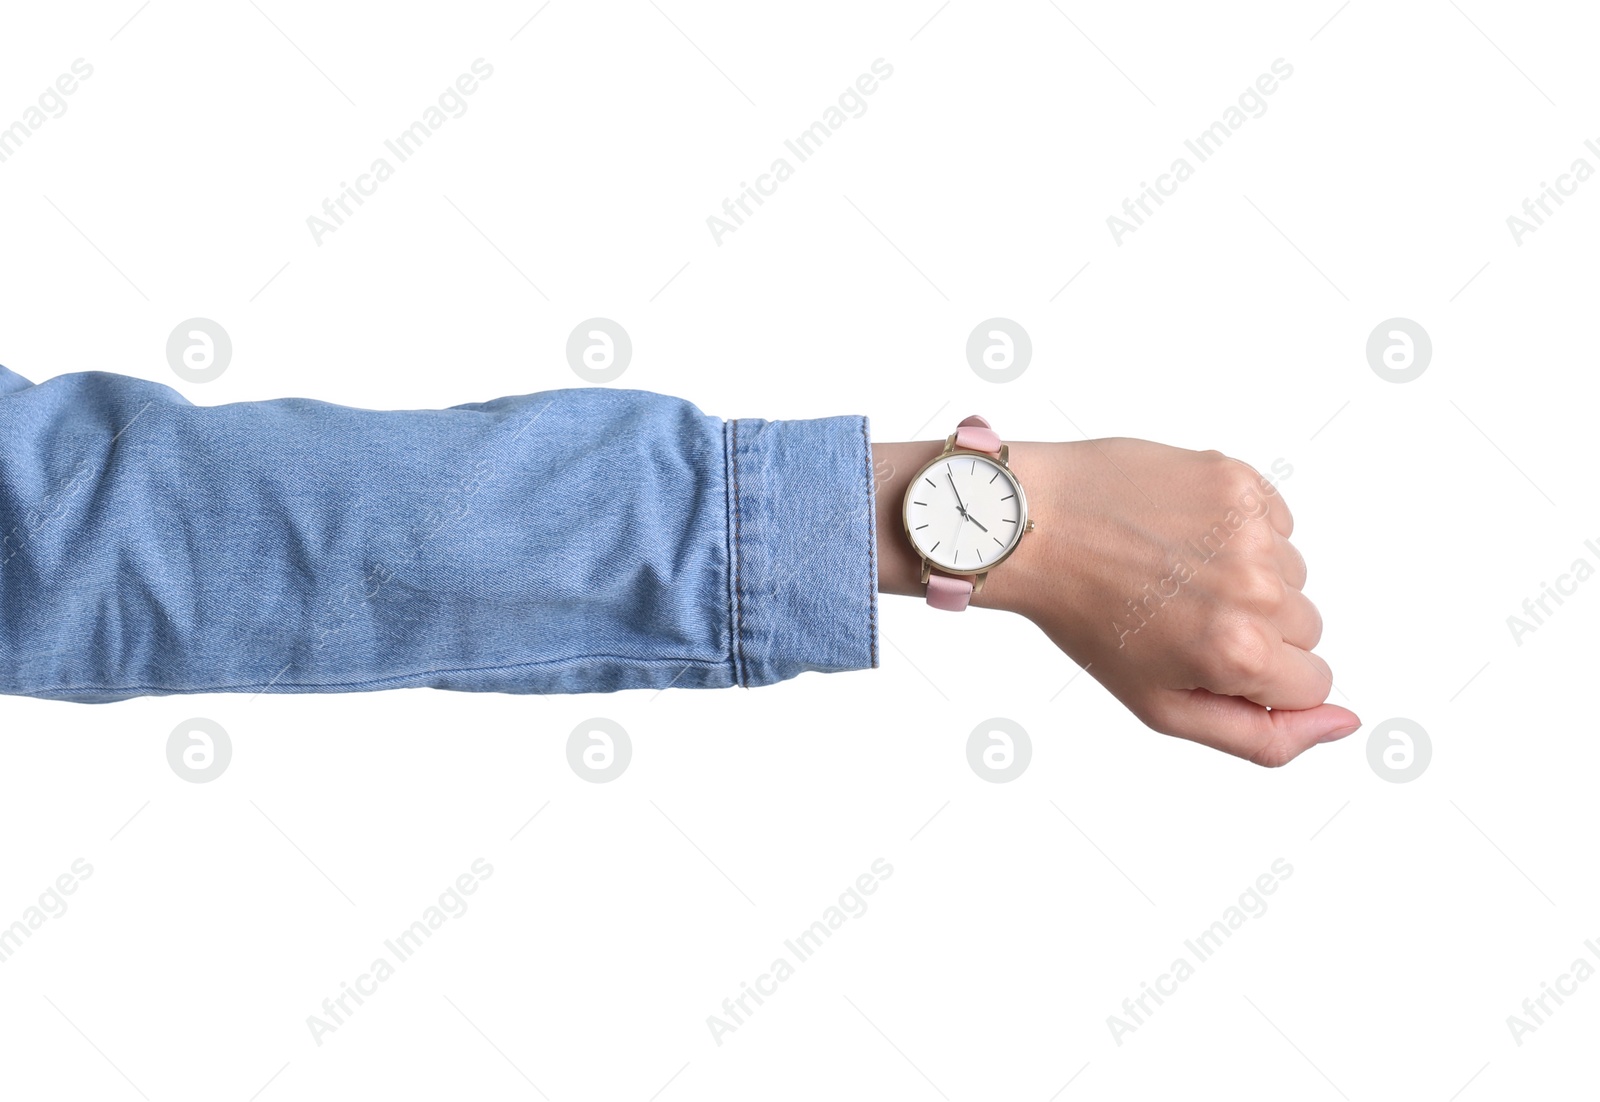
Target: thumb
{"x": 1245, "y": 729}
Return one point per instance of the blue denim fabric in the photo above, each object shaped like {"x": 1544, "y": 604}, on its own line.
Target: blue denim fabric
{"x": 581, "y": 540}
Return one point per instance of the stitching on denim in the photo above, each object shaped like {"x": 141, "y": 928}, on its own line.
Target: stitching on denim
{"x": 395, "y": 680}
{"x": 872, "y": 548}
{"x": 741, "y": 674}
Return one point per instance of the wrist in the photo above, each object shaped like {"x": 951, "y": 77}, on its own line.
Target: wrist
{"x": 895, "y": 464}
{"x": 1015, "y": 584}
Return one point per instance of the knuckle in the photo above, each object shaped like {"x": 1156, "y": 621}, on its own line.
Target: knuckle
{"x": 1259, "y": 585}
{"x": 1238, "y": 654}
{"x": 1237, "y": 479}
{"x": 1243, "y": 490}
{"x": 1297, "y": 563}
{"x": 1314, "y": 629}
{"x": 1268, "y": 493}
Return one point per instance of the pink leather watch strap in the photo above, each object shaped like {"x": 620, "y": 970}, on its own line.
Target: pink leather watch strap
{"x": 950, "y": 594}
{"x": 974, "y": 434}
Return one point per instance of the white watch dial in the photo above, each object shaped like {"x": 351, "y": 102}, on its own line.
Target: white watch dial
{"x": 964, "y": 512}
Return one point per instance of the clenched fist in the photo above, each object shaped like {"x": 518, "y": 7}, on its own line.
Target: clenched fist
{"x": 1166, "y": 573}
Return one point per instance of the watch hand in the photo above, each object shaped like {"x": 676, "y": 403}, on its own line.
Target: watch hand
{"x": 960, "y": 505}
{"x": 975, "y": 520}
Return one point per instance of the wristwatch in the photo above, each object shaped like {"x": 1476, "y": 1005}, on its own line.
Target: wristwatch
{"x": 964, "y": 513}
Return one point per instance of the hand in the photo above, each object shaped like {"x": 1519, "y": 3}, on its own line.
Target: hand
{"x": 1169, "y": 575}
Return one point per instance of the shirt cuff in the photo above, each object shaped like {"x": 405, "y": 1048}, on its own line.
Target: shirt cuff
{"x": 803, "y": 573}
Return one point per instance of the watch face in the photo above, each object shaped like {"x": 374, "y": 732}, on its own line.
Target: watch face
{"x": 964, "y": 513}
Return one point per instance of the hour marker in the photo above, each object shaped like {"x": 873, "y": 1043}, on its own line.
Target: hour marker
{"x": 997, "y": 540}
{"x": 974, "y": 468}
{"x": 935, "y": 547}
{"x": 994, "y": 476}
{"x": 958, "y": 555}
{"x": 1013, "y": 522}
{"x": 980, "y": 556}
{"x": 919, "y": 503}
{"x": 1008, "y": 497}
{"x": 919, "y": 527}
{"x": 930, "y": 482}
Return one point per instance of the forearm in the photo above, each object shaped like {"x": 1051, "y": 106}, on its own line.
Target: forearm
{"x": 577, "y": 540}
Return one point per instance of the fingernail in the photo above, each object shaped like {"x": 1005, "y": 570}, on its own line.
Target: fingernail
{"x": 1340, "y": 732}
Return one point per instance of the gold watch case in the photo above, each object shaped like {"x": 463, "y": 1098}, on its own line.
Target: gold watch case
{"x": 1023, "y": 528}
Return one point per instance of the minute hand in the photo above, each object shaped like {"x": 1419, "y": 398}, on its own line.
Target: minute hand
{"x": 960, "y": 505}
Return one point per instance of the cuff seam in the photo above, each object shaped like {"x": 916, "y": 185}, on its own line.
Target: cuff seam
{"x": 872, "y": 545}
{"x": 735, "y": 577}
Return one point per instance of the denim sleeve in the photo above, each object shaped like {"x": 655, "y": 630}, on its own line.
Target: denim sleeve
{"x": 582, "y": 540}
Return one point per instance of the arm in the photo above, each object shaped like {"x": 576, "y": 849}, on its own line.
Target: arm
{"x": 1168, "y": 574}
{"x": 590, "y": 540}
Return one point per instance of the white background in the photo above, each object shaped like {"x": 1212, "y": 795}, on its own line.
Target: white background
{"x": 977, "y": 184}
